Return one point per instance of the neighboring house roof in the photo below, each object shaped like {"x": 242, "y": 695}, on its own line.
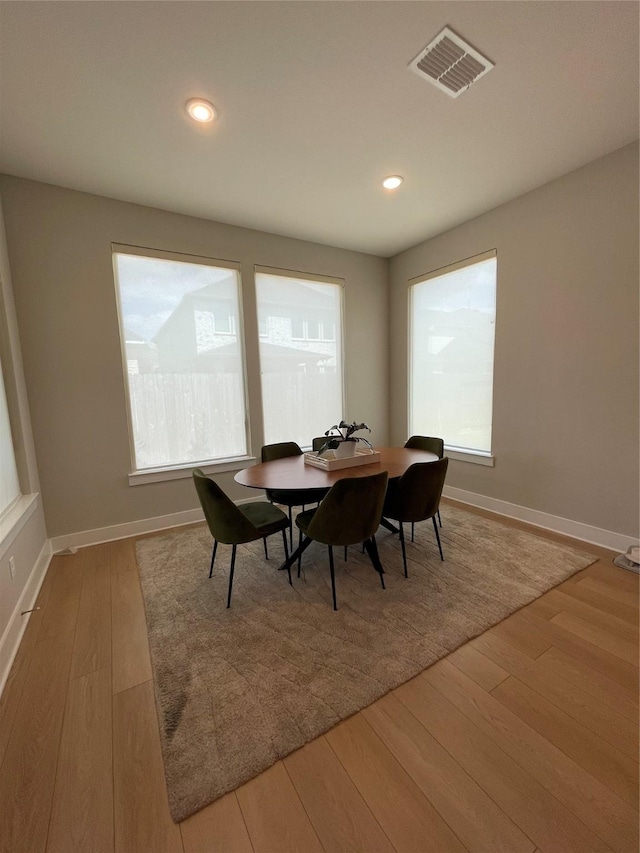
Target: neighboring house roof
{"x": 461, "y": 333}
{"x": 288, "y": 296}
{"x": 133, "y": 338}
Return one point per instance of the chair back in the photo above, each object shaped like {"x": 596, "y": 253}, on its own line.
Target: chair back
{"x": 280, "y": 451}
{"x": 320, "y": 441}
{"x": 351, "y": 511}
{"x": 226, "y": 522}
{"x": 417, "y": 494}
{"x": 426, "y": 442}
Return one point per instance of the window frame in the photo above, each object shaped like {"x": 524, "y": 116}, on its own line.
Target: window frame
{"x": 315, "y": 278}
{"x": 139, "y": 476}
{"x": 13, "y": 480}
{"x": 478, "y": 457}
{"x": 16, "y": 514}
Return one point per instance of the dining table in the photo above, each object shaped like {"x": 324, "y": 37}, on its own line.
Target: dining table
{"x": 293, "y": 473}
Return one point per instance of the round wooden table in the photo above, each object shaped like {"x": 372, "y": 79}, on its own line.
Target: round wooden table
{"x": 292, "y": 473}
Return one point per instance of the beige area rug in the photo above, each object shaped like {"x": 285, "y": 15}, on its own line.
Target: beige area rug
{"x": 238, "y": 689}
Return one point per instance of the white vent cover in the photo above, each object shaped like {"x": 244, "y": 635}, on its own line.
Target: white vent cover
{"x": 450, "y": 63}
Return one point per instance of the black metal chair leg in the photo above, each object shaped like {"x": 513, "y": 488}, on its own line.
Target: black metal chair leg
{"x": 345, "y": 553}
{"x": 286, "y": 554}
{"x": 233, "y": 563}
{"x": 372, "y": 551}
{"x": 413, "y": 524}
{"x": 213, "y": 556}
{"x": 333, "y": 577}
{"x": 290, "y": 529}
{"x": 435, "y": 527}
{"x": 439, "y": 519}
{"x": 404, "y": 552}
{"x": 266, "y": 553}
{"x": 375, "y": 548}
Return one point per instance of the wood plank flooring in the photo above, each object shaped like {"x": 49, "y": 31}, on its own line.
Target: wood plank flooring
{"x": 524, "y": 740}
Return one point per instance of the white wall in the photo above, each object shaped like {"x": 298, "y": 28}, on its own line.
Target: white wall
{"x": 60, "y": 250}
{"x": 565, "y": 434}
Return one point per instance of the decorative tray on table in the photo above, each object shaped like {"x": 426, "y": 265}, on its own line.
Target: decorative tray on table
{"x": 362, "y": 457}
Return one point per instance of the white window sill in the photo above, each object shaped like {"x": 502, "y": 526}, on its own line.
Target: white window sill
{"x": 183, "y": 472}
{"x": 476, "y": 457}
{"x": 15, "y": 519}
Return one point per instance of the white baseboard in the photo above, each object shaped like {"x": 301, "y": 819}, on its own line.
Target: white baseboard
{"x": 132, "y": 528}
{"x": 576, "y": 529}
{"x": 17, "y": 623}
{"x": 122, "y": 531}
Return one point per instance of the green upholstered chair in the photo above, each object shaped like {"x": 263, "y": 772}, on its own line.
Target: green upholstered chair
{"x": 426, "y": 442}
{"x": 234, "y": 525}
{"x": 415, "y": 497}
{"x": 316, "y": 445}
{"x": 432, "y": 445}
{"x": 286, "y": 497}
{"x": 350, "y": 513}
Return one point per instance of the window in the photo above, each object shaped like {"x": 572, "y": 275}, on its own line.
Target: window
{"x": 183, "y": 357}
{"x": 9, "y": 485}
{"x": 300, "y": 356}
{"x": 313, "y": 328}
{"x": 452, "y": 320}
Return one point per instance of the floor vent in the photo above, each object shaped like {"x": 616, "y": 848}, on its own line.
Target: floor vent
{"x": 450, "y": 63}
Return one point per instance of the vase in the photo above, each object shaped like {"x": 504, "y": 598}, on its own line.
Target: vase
{"x": 345, "y": 448}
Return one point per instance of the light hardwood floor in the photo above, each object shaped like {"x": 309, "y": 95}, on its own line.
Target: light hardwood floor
{"x": 524, "y": 740}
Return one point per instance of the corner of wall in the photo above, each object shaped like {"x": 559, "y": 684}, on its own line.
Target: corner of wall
{"x": 24, "y": 539}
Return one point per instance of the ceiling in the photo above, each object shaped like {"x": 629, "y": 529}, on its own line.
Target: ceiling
{"x": 316, "y": 105}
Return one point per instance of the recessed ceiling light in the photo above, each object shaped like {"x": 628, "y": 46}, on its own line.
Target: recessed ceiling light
{"x": 392, "y": 182}
{"x": 201, "y": 110}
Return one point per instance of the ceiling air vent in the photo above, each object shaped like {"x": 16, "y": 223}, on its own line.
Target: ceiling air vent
{"x": 450, "y": 63}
